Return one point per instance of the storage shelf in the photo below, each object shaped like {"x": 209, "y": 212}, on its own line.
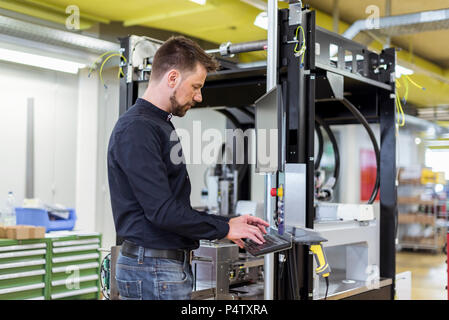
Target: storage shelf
{"x": 409, "y": 218}
{"x": 417, "y": 246}
{"x": 38, "y": 269}
{"x": 416, "y": 201}
{"x": 428, "y": 215}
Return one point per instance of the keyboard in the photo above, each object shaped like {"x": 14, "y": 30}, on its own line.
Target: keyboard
{"x": 272, "y": 243}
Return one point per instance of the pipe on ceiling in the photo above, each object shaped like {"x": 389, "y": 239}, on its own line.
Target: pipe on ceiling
{"x": 34, "y": 32}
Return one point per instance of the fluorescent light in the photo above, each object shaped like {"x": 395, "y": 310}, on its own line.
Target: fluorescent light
{"x": 400, "y": 70}
{"x": 261, "y": 20}
{"x": 201, "y": 2}
{"x": 40, "y": 61}
{"x": 259, "y": 4}
{"x": 439, "y": 188}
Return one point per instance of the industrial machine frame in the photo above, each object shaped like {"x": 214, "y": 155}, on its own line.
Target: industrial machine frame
{"x": 331, "y": 71}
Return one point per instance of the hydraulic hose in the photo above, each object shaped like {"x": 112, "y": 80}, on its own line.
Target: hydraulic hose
{"x": 331, "y": 136}
{"x": 358, "y": 115}
{"x": 320, "y": 145}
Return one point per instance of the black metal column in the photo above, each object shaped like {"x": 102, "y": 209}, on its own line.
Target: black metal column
{"x": 298, "y": 87}
{"x": 388, "y": 196}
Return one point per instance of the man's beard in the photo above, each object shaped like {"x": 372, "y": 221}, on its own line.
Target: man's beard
{"x": 176, "y": 108}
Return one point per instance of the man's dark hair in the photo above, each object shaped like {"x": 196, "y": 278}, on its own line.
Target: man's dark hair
{"x": 182, "y": 54}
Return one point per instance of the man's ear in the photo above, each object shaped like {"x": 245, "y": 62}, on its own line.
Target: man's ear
{"x": 173, "y": 78}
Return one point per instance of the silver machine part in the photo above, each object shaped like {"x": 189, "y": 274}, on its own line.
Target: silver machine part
{"x": 221, "y": 272}
{"x": 352, "y": 250}
{"x": 228, "y": 49}
{"x": 227, "y": 192}
{"x": 295, "y": 194}
{"x": 224, "y": 187}
{"x": 271, "y": 83}
{"x": 268, "y": 121}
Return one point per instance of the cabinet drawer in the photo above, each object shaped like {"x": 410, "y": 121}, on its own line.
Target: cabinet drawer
{"x": 75, "y": 269}
{"x": 91, "y": 292}
{"x": 21, "y": 292}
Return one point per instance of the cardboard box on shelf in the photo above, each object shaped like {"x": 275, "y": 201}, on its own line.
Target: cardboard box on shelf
{"x": 2, "y": 232}
{"x": 22, "y": 232}
{"x": 411, "y": 173}
{"x": 409, "y": 239}
{"x": 405, "y": 218}
{"x": 17, "y": 232}
{"x": 425, "y": 219}
{"x": 37, "y": 233}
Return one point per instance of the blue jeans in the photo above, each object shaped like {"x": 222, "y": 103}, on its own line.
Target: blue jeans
{"x": 144, "y": 278}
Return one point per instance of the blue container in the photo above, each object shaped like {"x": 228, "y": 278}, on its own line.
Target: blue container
{"x": 39, "y": 217}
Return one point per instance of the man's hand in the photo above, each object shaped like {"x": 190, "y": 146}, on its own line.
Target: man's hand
{"x": 246, "y": 226}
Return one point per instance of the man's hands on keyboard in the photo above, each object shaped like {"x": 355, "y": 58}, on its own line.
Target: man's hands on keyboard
{"x": 247, "y": 227}
{"x": 271, "y": 244}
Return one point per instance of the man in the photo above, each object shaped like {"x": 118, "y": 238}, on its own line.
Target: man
{"x": 150, "y": 193}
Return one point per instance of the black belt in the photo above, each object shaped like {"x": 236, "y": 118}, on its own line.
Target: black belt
{"x": 131, "y": 250}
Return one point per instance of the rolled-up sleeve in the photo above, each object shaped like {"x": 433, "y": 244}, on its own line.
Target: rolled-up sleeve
{"x": 141, "y": 160}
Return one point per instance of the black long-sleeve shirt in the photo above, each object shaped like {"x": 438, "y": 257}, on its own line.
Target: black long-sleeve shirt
{"x": 150, "y": 195}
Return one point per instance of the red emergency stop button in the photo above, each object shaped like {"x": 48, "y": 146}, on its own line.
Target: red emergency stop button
{"x": 277, "y": 191}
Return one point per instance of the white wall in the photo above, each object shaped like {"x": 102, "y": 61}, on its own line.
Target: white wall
{"x": 87, "y": 151}
{"x": 354, "y": 138}
{"x": 409, "y": 153}
{"x": 73, "y": 117}
{"x": 208, "y": 119}
{"x": 211, "y": 119}
{"x": 55, "y": 108}
{"x": 108, "y": 112}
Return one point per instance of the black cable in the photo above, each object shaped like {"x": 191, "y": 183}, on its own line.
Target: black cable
{"x": 291, "y": 273}
{"x": 327, "y": 287}
{"x": 281, "y": 276}
{"x": 230, "y": 117}
{"x": 370, "y": 132}
{"x": 250, "y": 114}
{"x": 331, "y": 136}
{"x": 320, "y": 145}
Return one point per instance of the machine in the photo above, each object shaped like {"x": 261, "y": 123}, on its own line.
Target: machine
{"x": 221, "y": 192}
{"x": 321, "y": 79}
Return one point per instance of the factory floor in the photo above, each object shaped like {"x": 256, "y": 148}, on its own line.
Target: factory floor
{"x": 429, "y": 273}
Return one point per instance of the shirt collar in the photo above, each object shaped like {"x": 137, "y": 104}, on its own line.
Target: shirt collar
{"x": 151, "y": 108}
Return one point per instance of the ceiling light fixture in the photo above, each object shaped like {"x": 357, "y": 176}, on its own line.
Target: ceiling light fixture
{"x": 259, "y": 4}
{"x": 40, "y": 61}
{"x": 201, "y": 2}
{"x": 400, "y": 70}
{"x": 261, "y": 20}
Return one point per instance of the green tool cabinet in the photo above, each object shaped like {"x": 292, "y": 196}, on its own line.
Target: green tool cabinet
{"x": 23, "y": 269}
{"x": 61, "y": 266}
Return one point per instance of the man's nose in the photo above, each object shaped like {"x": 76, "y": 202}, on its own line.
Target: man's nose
{"x": 198, "y": 97}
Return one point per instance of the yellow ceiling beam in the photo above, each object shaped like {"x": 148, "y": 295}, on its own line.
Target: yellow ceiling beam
{"x": 169, "y": 15}
{"x": 427, "y": 74}
{"x": 62, "y": 10}
{"x": 35, "y": 11}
